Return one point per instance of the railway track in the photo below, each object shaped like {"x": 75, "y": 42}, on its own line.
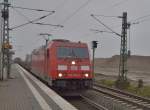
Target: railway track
{"x": 93, "y": 103}
{"x": 82, "y": 102}
{"x": 137, "y": 101}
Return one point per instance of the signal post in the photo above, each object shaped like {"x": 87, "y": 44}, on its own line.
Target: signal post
{"x": 94, "y": 46}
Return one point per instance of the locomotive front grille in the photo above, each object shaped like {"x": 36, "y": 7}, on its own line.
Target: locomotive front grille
{"x": 74, "y": 67}
{"x": 73, "y": 74}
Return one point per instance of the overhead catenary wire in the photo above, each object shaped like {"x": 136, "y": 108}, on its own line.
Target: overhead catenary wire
{"x": 135, "y": 21}
{"x": 32, "y": 21}
{"x": 131, "y": 22}
{"x": 37, "y": 23}
{"x": 143, "y": 21}
{"x": 75, "y": 12}
{"x": 141, "y": 17}
{"x": 62, "y": 4}
{"x": 16, "y": 8}
{"x": 33, "y": 9}
{"x": 105, "y": 25}
{"x": 44, "y": 24}
{"x": 139, "y": 20}
{"x": 21, "y": 14}
{"x": 119, "y": 3}
{"x": 30, "y": 9}
{"x": 107, "y": 16}
{"x": 115, "y": 5}
{"x": 129, "y": 38}
{"x": 112, "y": 6}
{"x": 101, "y": 31}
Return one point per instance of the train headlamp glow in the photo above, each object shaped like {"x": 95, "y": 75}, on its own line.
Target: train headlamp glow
{"x": 86, "y": 75}
{"x": 73, "y": 62}
{"x": 60, "y": 75}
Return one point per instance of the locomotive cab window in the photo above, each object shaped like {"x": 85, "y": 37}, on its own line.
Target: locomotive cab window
{"x": 72, "y": 52}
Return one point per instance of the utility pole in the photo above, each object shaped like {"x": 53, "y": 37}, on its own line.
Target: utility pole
{"x": 1, "y": 54}
{"x": 122, "y": 81}
{"x": 5, "y": 41}
{"x": 122, "y": 77}
{"x": 94, "y": 46}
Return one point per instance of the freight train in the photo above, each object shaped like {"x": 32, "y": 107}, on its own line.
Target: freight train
{"x": 62, "y": 64}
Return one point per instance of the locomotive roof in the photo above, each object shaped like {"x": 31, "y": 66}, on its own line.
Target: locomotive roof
{"x": 66, "y": 41}
{"x": 60, "y": 42}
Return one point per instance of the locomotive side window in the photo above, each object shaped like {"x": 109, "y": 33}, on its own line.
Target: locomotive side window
{"x": 72, "y": 52}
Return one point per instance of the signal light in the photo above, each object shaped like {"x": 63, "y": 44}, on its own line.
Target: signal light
{"x": 94, "y": 44}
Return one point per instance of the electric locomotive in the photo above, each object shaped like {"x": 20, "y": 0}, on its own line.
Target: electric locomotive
{"x": 63, "y": 64}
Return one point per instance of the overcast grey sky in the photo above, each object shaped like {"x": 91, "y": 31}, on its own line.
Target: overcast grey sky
{"x": 77, "y": 27}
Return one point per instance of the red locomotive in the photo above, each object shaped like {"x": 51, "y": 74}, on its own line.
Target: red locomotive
{"x": 63, "y": 64}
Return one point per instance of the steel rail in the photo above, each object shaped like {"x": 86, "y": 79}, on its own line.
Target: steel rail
{"x": 117, "y": 94}
{"x": 123, "y": 92}
{"x": 91, "y": 102}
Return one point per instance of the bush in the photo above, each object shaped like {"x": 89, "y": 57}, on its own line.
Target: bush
{"x": 122, "y": 84}
{"x": 109, "y": 83}
{"x": 140, "y": 90}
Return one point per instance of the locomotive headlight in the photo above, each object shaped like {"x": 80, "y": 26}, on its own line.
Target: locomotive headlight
{"x": 60, "y": 75}
{"x": 73, "y": 62}
{"x": 86, "y": 75}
